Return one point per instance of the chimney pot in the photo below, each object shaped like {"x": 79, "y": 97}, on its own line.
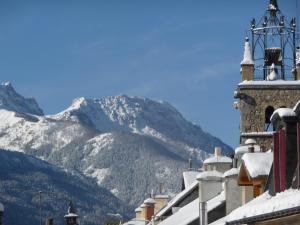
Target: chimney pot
{"x": 218, "y": 151}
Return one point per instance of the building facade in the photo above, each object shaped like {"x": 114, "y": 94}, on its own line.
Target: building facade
{"x": 270, "y": 75}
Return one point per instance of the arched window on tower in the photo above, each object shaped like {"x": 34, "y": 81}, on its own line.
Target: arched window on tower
{"x": 268, "y": 113}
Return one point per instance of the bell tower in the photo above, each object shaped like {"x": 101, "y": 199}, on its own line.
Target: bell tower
{"x": 270, "y": 74}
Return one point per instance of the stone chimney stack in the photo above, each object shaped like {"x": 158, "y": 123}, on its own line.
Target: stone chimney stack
{"x": 143, "y": 211}
{"x": 247, "y": 64}
{"x": 149, "y": 208}
{"x": 71, "y": 217}
{"x": 1, "y": 213}
{"x": 218, "y": 151}
{"x": 298, "y": 64}
{"x": 160, "y": 202}
{"x": 138, "y": 213}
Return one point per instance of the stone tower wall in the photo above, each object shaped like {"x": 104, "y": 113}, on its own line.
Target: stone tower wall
{"x": 252, "y": 118}
{"x": 298, "y": 71}
{"x": 247, "y": 72}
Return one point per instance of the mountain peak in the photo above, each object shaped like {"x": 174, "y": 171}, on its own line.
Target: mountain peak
{"x": 140, "y": 115}
{"x": 12, "y": 101}
{"x": 6, "y": 84}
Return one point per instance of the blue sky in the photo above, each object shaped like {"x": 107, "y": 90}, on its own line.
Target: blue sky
{"x": 184, "y": 52}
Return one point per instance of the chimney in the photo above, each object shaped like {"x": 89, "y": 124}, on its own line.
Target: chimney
{"x": 71, "y": 217}
{"x": 250, "y": 143}
{"x": 138, "y": 213}
{"x": 143, "y": 211}
{"x": 234, "y": 162}
{"x": 233, "y": 192}
{"x": 49, "y": 221}
{"x": 160, "y": 202}
{"x": 218, "y": 151}
{"x": 190, "y": 164}
{"x": 210, "y": 185}
{"x": 247, "y": 64}
{"x": 1, "y": 213}
{"x": 149, "y": 208}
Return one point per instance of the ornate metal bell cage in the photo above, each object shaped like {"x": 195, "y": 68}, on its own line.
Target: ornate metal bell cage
{"x": 274, "y": 41}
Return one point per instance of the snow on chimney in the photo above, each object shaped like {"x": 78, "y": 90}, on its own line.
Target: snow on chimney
{"x": 250, "y": 142}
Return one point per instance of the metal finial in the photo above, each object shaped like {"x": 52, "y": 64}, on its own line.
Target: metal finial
{"x": 273, "y": 6}
{"x": 71, "y": 208}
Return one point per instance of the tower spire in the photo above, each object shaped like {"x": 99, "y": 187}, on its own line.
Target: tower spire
{"x": 247, "y": 60}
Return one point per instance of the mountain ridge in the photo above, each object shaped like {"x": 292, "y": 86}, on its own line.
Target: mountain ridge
{"x": 115, "y": 140}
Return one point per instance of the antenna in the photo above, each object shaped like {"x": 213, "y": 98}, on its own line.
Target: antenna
{"x": 297, "y": 22}
{"x": 190, "y": 163}
{"x": 160, "y": 188}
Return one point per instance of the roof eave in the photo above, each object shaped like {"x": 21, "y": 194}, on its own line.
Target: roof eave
{"x": 267, "y": 216}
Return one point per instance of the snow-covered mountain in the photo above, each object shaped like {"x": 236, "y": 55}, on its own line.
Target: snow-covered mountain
{"x": 11, "y": 100}
{"x": 143, "y": 116}
{"x": 129, "y": 145}
{"x": 23, "y": 176}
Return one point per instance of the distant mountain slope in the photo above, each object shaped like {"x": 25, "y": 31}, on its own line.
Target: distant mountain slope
{"x": 23, "y": 176}
{"x": 130, "y": 165}
{"x": 129, "y": 145}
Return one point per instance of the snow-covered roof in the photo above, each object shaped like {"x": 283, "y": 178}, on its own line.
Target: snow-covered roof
{"x": 247, "y": 59}
{"x": 266, "y": 204}
{"x": 189, "y": 177}
{"x": 177, "y": 198}
{"x": 258, "y": 164}
{"x": 1, "y": 207}
{"x": 250, "y": 141}
{"x": 230, "y": 173}
{"x": 218, "y": 159}
{"x": 190, "y": 212}
{"x": 282, "y": 112}
{"x": 221, "y": 221}
{"x": 135, "y": 222}
{"x": 142, "y": 205}
{"x": 245, "y": 148}
{"x": 149, "y": 201}
{"x": 210, "y": 175}
{"x": 269, "y": 83}
{"x": 71, "y": 215}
